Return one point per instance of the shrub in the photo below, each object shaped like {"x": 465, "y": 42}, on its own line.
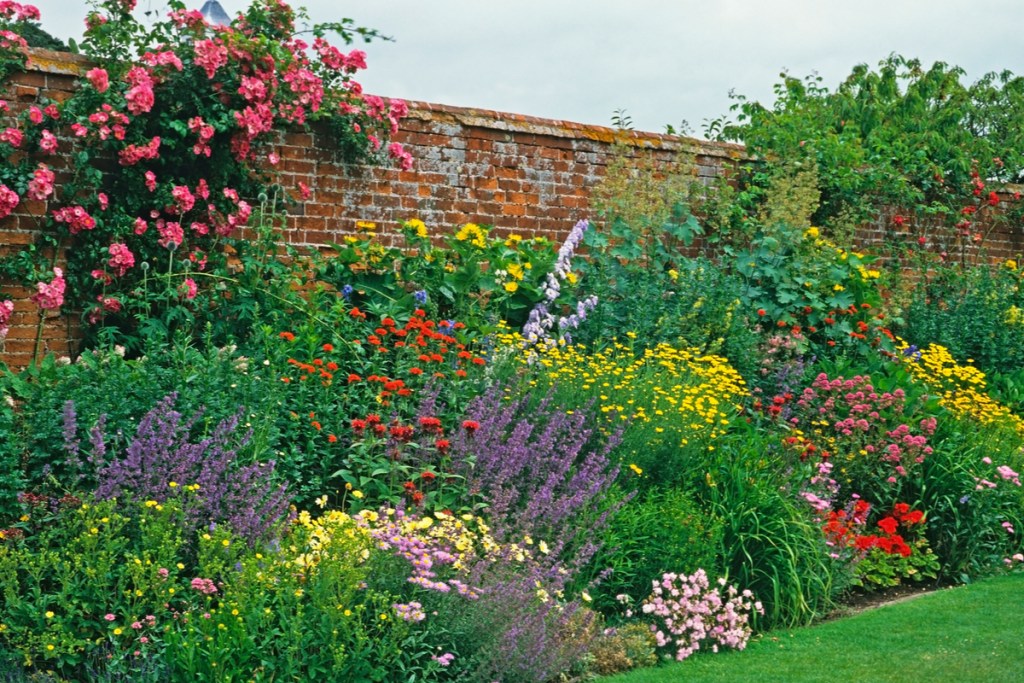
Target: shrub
{"x": 687, "y": 611}
{"x": 974, "y": 312}
{"x": 631, "y": 646}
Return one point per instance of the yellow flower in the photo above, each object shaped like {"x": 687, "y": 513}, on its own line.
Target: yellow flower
{"x": 474, "y": 234}
{"x": 225, "y": 543}
{"x": 173, "y": 484}
{"x": 357, "y": 494}
{"x": 417, "y": 226}
{"x": 838, "y": 287}
{"x": 50, "y": 648}
{"x": 511, "y": 287}
{"x": 366, "y": 225}
{"x": 321, "y": 501}
{"x": 636, "y": 469}
{"x": 1011, "y": 264}
{"x": 673, "y": 274}
{"x": 118, "y": 631}
{"x": 49, "y": 615}
{"x": 812, "y": 233}
{"x": 571, "y": 277}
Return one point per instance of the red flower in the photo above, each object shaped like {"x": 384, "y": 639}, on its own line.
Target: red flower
{"x": 442, "y": 445}
{"x": 409, "y": 486}
{"x": 428, "y": 476}
{"x": 913, "y": 517}
{"x": 417, "y": 498}
{"x": 470, "y": 425}
{"x": 401, "y": 433}
{"x": 287, "y": 336}
{"x": 888, "y": 525}
{"x": 331, "y": 438}
{"x": 328, "y": 347}
{"x": 379, "y": 429}
{"x": 900, "y": 509}
{"x": 479, "y": 361}
{"x": 353, "y": 378}
{"x": 415, "y": 371}
{"x": 431, "y": 425}
{"x": 358, "y": 426}
{"x": 373, "y": 418}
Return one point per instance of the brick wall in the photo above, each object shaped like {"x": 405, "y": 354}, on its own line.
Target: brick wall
{"x": 519, "y": 173}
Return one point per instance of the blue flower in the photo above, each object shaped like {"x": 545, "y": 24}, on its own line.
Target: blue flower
{"x": 346, "y": 291}
{"x": 420, "y": 296}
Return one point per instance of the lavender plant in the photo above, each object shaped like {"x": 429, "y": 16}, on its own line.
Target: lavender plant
{"x": 541, "y": 471}
{"x": 162, "y": 462}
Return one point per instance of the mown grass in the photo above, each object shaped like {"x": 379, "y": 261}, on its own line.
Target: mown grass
{"x": 962, "y": 634}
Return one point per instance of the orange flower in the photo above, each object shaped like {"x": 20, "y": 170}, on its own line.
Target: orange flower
{"x": 287, "y": 336}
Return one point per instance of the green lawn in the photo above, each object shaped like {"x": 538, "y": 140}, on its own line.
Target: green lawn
{"x": 968, "y": 633}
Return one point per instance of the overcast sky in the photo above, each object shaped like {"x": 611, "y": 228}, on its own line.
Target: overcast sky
{"x": 662, "y": 61}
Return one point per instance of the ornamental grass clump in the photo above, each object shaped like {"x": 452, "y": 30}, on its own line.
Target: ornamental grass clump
{"x": 688, "y": 611}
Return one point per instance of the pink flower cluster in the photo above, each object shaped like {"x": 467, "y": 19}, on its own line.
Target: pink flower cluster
{"x": 18, "y": 12}
{"x": 121, "y": 258}
{"x": 204, "y": 132}
{"x": 204, "y": 586}
{"x": 75, "y": 217}
{"x": 41, "y": 185}
{"x": 410, "y": 611}
{"x": 50, "y": 296}
{"x": 211, "y": 54}
{"x": 6, "y": 311}
{"x": 688, "y": 611}
{"x": 140, "y": 97}
{"x": 133, "y": 154}
{"x": 99, "y": 79}
{"x": 9, "y": 200}
{"x": 12, "y": 137}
